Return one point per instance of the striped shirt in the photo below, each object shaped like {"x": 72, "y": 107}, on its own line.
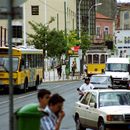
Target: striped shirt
{"x": 48, "y": 122}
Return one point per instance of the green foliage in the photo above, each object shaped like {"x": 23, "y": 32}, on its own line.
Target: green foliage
{"x": 72, "y": 39}
{"x": 51, "y": 40}
{"x": 56, "y": 43}
{"x": 85, "y": 42}
{"x": 38, "y": 38}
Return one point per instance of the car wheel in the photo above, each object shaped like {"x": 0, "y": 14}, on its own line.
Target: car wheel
{"x": 101, "y": 125}
{"x": 78, "y": 124}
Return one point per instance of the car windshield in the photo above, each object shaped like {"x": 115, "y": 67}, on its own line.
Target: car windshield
{"x": 4, "y": 64}
{"x": 114, "y": 98}
{"x": 99, "y": 79}
{"x": 117, "y": 67}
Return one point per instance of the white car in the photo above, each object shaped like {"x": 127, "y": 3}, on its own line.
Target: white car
{"x": 103, "y": 108}
{"x": 101, "y": 81}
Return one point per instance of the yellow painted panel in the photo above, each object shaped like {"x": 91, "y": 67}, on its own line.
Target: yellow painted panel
{"x": 95, "y": 68}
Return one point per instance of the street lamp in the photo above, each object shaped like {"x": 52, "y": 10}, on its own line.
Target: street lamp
{"x": 95, "y": 5}
{"x": 79, "y": 19}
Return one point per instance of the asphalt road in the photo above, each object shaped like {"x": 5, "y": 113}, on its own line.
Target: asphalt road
{"x": 66, "y": 89}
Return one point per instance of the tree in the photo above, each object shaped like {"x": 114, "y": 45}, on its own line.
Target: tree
{"x": 72, "y": 39}
{"x": 85, "y": 42}
{"x": 51, "y": 40}
{"x": 38, "y": 38}
{"x": 56, "y": 43}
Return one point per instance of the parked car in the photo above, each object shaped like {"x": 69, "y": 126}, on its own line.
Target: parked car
{"x": 103, "y": 108}
{"x": 101, "y": 81}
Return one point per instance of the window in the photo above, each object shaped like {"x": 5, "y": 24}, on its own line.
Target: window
{"x": 35, "y": 10}
{"x": 17, "y": 31}
{"x": 106, "y": 30}
{"x": 126, "y": 15}
{"x": 96, "y": 58}
{"x": 97, "y": 31}
{"x": 126, "y": 26}
{"x": 86, "y": 99}
{"x": 102, "y": 59}
{"x": 89, "y": 59}
{"x": 18, "y": 12}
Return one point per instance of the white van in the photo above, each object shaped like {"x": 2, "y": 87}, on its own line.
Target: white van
{"x": 119, "y": 69}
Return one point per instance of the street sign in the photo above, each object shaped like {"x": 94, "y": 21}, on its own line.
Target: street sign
{"x": 80, "y": 53}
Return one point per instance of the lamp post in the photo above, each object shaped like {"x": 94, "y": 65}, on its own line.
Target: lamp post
{"x": 95, "y": 5}
{"x": 79, "y": 18}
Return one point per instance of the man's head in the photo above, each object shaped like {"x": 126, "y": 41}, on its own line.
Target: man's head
{"x": 43, "y": 97}
{"x": 87, "y": 80}
{"x": 56, "y": 103}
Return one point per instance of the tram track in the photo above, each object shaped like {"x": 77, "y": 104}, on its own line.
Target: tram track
{"x": 25, "y": 99}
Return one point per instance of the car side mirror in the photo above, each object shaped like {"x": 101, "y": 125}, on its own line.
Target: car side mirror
{"x": 92, "y": 104}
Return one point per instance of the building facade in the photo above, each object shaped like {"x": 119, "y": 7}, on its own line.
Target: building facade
{"x": 123, "y": 16}
{"x": 104, "y": 28}
{"x": 122, "y": 33}
{"x": 108, "y": 8}
{"x": 40, "y": 11}
{"x": 87, "y": 14}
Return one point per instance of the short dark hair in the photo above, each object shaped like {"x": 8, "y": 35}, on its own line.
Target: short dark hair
{"x": 56, "y": 98}
{"x": 42, "y": 93}
{"x": 87, "y": 79}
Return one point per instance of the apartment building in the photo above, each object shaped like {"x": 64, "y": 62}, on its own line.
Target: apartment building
{"x": 122, "y": 33}
{"x": 123, "y": 16}
{"x": 39, "y": 11}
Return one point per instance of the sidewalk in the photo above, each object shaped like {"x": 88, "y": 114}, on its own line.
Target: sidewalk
{"x": 52, "y": 75}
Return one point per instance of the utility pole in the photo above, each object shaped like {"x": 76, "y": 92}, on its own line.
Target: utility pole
{"x": 79, "y": 18}
{"x": 11, "y": 104}
{"x": 65, "y": 19}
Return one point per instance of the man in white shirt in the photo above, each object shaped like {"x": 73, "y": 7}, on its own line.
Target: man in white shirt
{"x": 85, "y": 86}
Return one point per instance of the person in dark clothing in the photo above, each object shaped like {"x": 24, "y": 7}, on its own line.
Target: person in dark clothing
{"x": 73, "y": 68}
{"x": 59, "y": 70}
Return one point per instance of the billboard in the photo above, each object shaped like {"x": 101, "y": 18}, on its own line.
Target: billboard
{"x": 75, "y": 59}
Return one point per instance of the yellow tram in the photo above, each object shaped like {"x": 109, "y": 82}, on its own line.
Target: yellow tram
{"x": 96, "y": 60}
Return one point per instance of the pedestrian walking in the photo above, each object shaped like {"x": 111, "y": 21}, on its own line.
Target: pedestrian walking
{"x": 59, "y": 70}
{"x": 73, "y": 66}
{"x": 43, "y": 98}
{"x": 55, "y": 113}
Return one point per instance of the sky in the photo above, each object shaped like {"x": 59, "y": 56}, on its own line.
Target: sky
{"x": 123, "y": 1}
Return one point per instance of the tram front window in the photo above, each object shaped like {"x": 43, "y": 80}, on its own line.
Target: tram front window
{"x": 96, "y": 59}
{"x": 89, "y": 59}
{"x": 102, "y": 59}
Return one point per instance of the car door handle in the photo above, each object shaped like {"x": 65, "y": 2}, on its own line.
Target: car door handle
{"x": 86, "y": 107}
{"x": 79, "y": 106}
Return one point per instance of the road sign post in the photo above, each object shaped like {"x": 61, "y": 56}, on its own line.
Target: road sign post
{"x": 81, "y": 60}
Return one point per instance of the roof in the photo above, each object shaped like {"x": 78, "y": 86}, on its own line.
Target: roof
{"x": 108, "y": 90}
{"x": 118, "y": 60}
{"x": 101, "y": 16}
